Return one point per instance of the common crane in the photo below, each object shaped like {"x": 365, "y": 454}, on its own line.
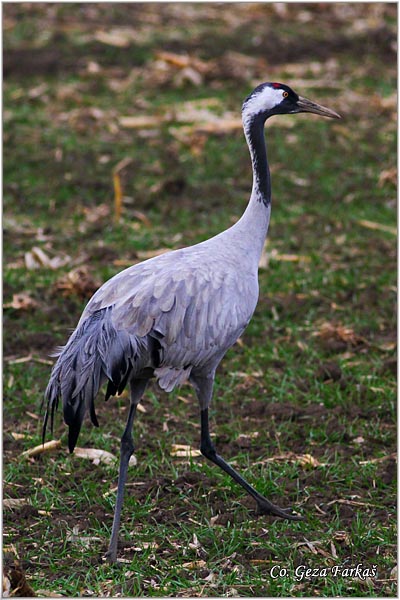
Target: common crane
{"x": 173, "y": 317}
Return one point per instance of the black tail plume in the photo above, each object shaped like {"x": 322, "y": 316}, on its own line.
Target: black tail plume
{"x": 95, "y": 352}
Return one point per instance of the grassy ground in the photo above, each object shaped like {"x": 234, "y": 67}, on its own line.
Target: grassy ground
{"x": 305, "y": 405}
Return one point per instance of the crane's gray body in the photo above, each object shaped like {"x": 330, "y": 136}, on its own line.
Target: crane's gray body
{"x": 194, "y": 301}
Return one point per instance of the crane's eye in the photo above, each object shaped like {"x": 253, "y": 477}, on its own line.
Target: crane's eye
{"x": 285, "y": 94}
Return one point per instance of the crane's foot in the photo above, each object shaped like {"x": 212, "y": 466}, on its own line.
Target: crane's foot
{"x": 265, "y": 507}
{"x": 111, "y": 556}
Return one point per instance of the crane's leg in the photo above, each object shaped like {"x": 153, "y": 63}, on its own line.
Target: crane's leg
{"x": 138, "y": 387}
{"x": 203, "y": 388}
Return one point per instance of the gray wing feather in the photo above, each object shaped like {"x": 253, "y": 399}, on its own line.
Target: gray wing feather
{"x": 167, "y": 300}
{"x": 195, "y": 306}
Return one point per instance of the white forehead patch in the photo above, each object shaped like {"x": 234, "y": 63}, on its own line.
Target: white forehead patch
{"x": 261, "y": 101}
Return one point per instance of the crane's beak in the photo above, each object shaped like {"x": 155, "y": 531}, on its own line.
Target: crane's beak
{"x": 306, "y": 105}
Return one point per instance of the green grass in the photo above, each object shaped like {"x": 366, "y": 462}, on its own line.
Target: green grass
{"x": 314, "y": 373}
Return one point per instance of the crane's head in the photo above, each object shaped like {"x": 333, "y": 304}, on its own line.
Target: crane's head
{"x": 278, "y": 99}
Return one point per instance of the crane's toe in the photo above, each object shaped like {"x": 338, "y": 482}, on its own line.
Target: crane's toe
{"x": 110, "y": 556}
{"x": 265, "y": 507}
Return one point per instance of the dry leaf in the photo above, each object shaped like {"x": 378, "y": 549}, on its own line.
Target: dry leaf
{"x": 386, "y": 346}
{"x": 22, "y": 359}
{"x": 11, "y": 549}
{"x": 37, "y": 258}
{"x": 181, "y": 450}
{"x": 306, "y": 460}
{"x": 195, "y": 544}
{"x": 377, "y": 226}
{"x": 6, "y": 587}
{"x": 268, "y": 255}
{"x": 219, "y": 126}
{"x": 275, "y": 255}
{"x": 331, "y": 331}
{"x": 46, "y": 447}
{"x": 359, "y": 440}
{"x": 22, "y": 301}
{"x": 388, "y": 176}
{"x": 18, "y": 436}
{"x": 95, "y": 455}
{"x": 195, "y": 564}
{"x": 314, "y": 547}
{"x": 140, "y": 216}
{"x": 372, "y": 461}
{"x": 33, "y": 416}
{"x": 118, "y": 194}
{"x": 183, "y": 61}
{"x": 88, "y": 118}
{"x": 299, "y": 181}
{"x": 144, "y": 546}
{"x": 16, "y": 264}
{"x": 120, "y": 37}
{"x": 37, "y": 91}
{"x": 93, "y": 214}
{"x": 352, "y": 503}
{"x": 11, "y": 360}
{"x": 387, "y": 104}
{"x": 93, "y": 67}
{"x": 205, "y": 110}
{"x": 333, "y": 550}
{"x": 98, "y": 456}
{"x": 147, "y": 545}
{"x": 77, "y": 282}
{"x": 244, "y": 441}
{"x": 177, "y": 60}
{"x": 190, "y": 75}
{"x": 30, "y": 261}
{"x": 141, "y": 121}
{"x": 73, "y": 537}
{"x": 343, "y": 537}
{"x": 10, "y": 503}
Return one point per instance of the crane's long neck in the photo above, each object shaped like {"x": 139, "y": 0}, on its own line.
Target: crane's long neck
{"x": 251, "y": 229}
{"x": 254, "y": 132}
